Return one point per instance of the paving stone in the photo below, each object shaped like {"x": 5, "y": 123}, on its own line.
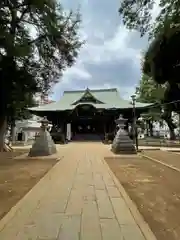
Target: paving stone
{"x": 56, "y": 203}
{"x": 49, "y": 226}
{"x": 70, "y": 229}
{"x": 83, "y": 180}
{"x": 104, "y": 204}
{"x": 111, "y": 229}
{"x": 90, "y": 225}
{"x": 27, "y": 233}
{"x": 98, "y": 181}
{"x": 45, "y": 239}
{"x": 24, "y": 210}
{"x": 89, "y": 194}
{"x": 113, "y": 192}
{"x": 78, "y": 180}
{"x": 107, "y": 179}
{"x": 74, "y": 206}
{"x": 84, "y": 165}
{"x": 97, "y": 165}
{"x": 122, "y": 212}
{"x": 45, "y": 227}
{"x": 132, "y": 232}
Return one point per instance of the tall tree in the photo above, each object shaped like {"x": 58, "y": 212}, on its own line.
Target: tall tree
{"x": 151, "y": 92}
{"x": 162, "y": 59}
{"x": 38, "y": 40}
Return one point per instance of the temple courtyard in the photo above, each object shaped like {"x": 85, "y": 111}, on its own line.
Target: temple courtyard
{"x": 89, "y": 193}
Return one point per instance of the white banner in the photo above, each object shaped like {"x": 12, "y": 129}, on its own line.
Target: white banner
{"x": 68, "y": 132}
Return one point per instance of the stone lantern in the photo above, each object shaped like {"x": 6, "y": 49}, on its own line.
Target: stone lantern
{"x": 44, "y": 123}
{"x": 122, "y": 144}
{"x": 43, "y": 145}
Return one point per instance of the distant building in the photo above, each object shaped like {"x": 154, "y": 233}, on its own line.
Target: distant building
{"x": 91, "y": 112}
{"x": 26, "y": 130}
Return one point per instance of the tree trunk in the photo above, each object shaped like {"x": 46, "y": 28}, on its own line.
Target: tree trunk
{"x": 171, "y": 129}
{"x": 3, "y": 129}
{"x": 167, "y": 118}
{"x": 13, "y": 132}
{"x": 150, "y": 125}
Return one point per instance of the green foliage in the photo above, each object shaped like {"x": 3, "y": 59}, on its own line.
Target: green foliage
{"x": 152, "y": 115}
{"x": 38, "y": 41}
{"x": 139, "y": 15}
{"x": 161, "y": 61}
{"x": 162, "y": 58}
{"x": 136, "y": 14}
{"x": 149, "y": 91}
{"x": 18, "y": 110}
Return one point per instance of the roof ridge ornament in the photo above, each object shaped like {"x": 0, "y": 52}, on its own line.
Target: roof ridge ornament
{"x": 87, "y": 94}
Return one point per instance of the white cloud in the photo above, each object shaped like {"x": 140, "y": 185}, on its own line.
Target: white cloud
{"x": 76, "y": 71}
{"x": 110, "y": 49}
{"x": 112, "y": 54}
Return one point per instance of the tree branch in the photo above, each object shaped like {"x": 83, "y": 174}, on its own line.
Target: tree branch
{"x": 22, "y": 15}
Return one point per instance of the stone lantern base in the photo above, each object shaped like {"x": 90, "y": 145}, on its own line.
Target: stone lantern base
{"x": 122, "y": 144}
{"x": 43, "y": 145}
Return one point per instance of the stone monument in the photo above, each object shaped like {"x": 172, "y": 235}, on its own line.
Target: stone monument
{"x": 122, "y": 144}
{"x": 43, "y": 145}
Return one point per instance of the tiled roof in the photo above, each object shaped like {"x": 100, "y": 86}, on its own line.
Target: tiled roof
{"x": 107, "y": 99}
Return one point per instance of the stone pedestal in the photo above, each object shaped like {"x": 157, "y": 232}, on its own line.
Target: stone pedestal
{"x": 122, "y": 144}
{"x": 43, "y": 145}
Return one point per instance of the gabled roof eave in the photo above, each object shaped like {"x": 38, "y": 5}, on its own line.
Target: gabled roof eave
{"x": 87, "y": 91}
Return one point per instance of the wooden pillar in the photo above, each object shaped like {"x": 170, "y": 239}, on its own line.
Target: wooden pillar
{"x": 65, "y": 129}
{"x": 105, "y": 127}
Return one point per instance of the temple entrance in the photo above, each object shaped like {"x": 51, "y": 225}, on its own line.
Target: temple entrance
{"x": 87, "y": 130}
{"x": 85, "y": 127}
{"x": 87, "y": 124}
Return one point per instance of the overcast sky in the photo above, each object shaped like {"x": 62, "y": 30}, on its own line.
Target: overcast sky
{"x": 111, "y": 56}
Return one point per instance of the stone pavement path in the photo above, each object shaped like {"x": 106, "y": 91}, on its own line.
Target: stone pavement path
{"x": 76, "y": 200}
